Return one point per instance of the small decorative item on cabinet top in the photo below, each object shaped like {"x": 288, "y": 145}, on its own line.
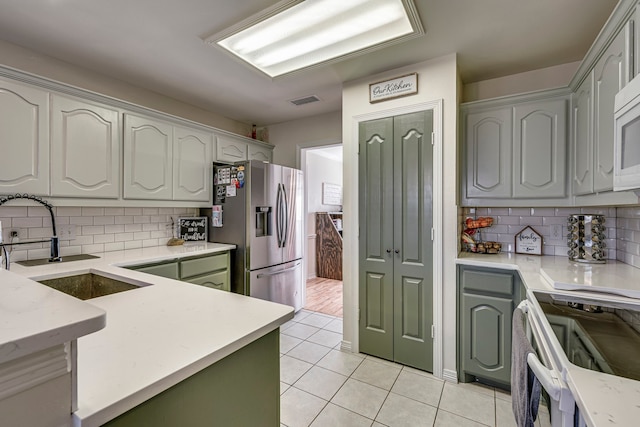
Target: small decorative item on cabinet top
{"x": 528, "y": 241}
{"x": 471, "y": 239}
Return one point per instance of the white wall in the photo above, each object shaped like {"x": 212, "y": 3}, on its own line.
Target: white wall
{"x": 319, "y": 169}
{"x": 437, "y": 80}
{"x": 288, "y": 137}
{"x": 544, "y": 78}
{"x": 17, "y": 57}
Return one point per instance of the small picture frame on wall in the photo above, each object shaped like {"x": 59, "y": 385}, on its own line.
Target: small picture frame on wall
{"x": 528, "y": 241}
{"x": 331, "y": 194}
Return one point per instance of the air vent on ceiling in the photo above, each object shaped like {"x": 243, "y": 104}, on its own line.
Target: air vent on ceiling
{"x": 305, "y": 100}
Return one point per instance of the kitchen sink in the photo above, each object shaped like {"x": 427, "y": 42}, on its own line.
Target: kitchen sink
{"x": 88, "y": 285}
{"x": 44, "y": 261}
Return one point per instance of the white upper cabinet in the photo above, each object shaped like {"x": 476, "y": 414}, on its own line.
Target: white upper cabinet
{"x": 85, "y": 149}
{"x": 24, "y": 139}
{"x": 609, "y": 77}
{"x": 148, "y": 158}
{"x": 230, "y": 149}
{"x": 539, "y": 149}
{"x": 258, "y": 152}
{"x": 488, "y": 153}
{"x": 582, "y": 146}
{"x": 515, "y": 149}
{"x": 192, "y": 165}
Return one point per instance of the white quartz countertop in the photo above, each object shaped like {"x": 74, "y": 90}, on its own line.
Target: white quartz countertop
{"x": 603, "y": 399}
{"x": 34, "y": 317}
{"x": 159, "y": 334}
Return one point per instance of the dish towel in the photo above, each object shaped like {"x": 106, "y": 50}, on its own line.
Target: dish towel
{"x": 525, "y": 387}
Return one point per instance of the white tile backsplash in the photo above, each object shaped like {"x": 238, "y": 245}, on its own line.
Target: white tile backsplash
{"x": 510, "y": 221}
{"x": 628, "y": 235}
{"x": 623, "y": 228}
{"x": 98, "y": 229}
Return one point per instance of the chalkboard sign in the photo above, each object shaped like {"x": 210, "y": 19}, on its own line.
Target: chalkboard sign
{"x": 528, "y": 241}
{"x": 193, "y": 229}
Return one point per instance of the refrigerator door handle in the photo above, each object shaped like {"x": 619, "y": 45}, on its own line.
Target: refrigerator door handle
{"x": 279, "y": 216}
{"x": 285, "y": 216}
{"x": 275, "y": 273}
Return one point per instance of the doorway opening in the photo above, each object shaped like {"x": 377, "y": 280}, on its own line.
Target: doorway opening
{"x": 322, "y": 166}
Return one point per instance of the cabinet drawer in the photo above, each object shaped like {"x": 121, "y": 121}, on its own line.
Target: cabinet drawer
{"x": 197, "y": 266}
{"x": 219, "y": 280}
{"x": 169, "y": 269}
{"x": 487, "y": 281}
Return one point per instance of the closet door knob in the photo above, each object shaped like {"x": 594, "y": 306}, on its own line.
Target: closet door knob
{"x": 388, "y": 251}
{"x": 397, "y": 251}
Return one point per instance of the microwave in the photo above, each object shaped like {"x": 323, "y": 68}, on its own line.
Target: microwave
{"x": 626, "y": 168}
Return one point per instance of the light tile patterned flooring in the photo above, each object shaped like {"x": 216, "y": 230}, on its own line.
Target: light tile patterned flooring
{"x": 322, "y": 386}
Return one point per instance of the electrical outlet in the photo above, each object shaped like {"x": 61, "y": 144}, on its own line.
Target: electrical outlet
{"x": 556, "y": 232}
{"x": 66, "y": 231}
{"x": 17, "y": 234}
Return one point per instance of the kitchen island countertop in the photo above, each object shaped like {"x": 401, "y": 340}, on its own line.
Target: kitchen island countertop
{"x": 158, "y": 335}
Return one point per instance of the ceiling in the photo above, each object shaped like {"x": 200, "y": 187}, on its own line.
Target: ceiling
{"x": 158, "y": 45}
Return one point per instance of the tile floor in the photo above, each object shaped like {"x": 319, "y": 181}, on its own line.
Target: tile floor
{"x": 323, "y": 386}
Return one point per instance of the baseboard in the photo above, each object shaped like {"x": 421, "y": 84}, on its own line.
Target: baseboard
{"x": 449, "y": 375}
{"x": 346, "y": 346}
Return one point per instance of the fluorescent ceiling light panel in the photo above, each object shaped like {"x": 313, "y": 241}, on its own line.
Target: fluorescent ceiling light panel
{"x": 298, "y": 34}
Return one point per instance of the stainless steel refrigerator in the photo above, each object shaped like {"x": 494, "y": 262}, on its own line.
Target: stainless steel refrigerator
{"x": 261, "y": 213}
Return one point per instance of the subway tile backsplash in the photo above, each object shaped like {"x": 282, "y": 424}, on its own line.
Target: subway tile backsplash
{"x": 628, "y": 237}
{"x": 97, "y": 229}
{"x": 510, "y": 221}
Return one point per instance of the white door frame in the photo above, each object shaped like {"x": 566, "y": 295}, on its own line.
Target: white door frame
{"x": 301, "y": 163}
{"x": 352, "y": 291}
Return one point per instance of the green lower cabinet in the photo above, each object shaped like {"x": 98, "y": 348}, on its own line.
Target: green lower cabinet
{"x": 486, "y": 300}
{"x": 486, "y": 337}
{"x": 167, "y": 269}
{"x": 243, "y": 389}
{"x": 212, "y": 271}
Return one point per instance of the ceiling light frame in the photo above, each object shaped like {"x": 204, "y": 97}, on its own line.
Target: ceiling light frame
{"x": 214, "y": 40}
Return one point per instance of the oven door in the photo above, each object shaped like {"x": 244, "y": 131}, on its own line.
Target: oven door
{"x": 548, "y": 369}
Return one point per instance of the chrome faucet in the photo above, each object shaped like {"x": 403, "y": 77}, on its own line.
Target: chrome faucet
{"x": 55, "y": 241}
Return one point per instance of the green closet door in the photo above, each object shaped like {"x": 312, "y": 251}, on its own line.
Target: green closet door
{"x": 396, "y": 251}
{"x": 376, "y": 238}
{"x": 413, "y": 221}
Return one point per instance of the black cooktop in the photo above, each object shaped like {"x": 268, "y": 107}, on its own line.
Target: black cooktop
{"x": 596, "y": 335}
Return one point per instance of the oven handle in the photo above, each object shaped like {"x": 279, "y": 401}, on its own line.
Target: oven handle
{"x": 547, "y": 377}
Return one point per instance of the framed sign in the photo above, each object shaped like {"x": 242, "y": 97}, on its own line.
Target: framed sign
{"x": 528, "y": 241}
{"x": 331, "y": 194}
{"x": 394, "y": 88}
{"x": 193, "y": 229}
